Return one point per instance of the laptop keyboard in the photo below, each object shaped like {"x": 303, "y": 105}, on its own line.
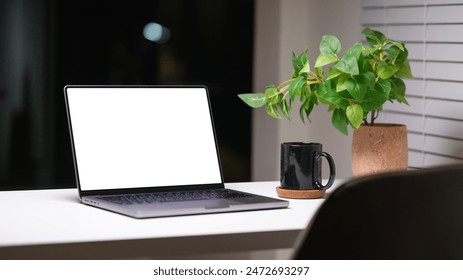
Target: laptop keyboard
{"x": 174, "y": 196}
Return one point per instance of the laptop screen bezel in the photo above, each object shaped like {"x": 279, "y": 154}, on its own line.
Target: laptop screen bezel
{"x": 82, "y": 193}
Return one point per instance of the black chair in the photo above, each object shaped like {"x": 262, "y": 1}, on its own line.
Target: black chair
{"x": 401, "y": 215}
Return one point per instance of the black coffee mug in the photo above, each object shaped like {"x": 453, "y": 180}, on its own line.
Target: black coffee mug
{"x": 301, "y": 166}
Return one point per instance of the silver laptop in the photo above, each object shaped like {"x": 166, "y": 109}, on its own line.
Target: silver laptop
{"x": 150, "y": 151}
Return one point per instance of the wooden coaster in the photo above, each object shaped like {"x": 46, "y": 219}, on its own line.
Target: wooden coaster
{"x": 300, "y": 194}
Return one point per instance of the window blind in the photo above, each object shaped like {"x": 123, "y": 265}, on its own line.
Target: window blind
{"x": 432, "y": 30}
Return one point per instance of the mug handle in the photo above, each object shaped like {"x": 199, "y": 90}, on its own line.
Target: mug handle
{"x": 317, "y": 179}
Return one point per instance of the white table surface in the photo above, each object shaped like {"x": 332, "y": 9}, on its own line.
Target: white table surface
{"x": 53, "y": 224}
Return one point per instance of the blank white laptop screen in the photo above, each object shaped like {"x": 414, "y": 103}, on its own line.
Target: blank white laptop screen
{"x": 146, "y": 137}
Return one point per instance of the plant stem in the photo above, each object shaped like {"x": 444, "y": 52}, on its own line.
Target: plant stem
{"x": 284, "y": 88}
{"x": 374, "y": 115}
{"x": 285, "y": 82}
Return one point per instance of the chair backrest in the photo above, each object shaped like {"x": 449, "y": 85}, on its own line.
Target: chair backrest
{"x": 400, "y": 215}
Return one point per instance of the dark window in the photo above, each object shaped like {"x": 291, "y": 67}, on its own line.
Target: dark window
{"x": 49, "y": 44}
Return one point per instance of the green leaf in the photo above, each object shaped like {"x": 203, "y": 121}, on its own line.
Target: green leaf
{"x": 331, "y": 107}
{"x": 354, "y": 114}
{"x": 295, "y": 87}
{"x": 340, "y": 85}
{"x": 306, "y": 91}
{"x": 339, "y": 120}
{"x": 384, "y": 86}
{"x": 328, "y": 95}
{"x": 404, "y": 70}
{"x": 361, "y": 64}
{"x": 398, "y": 90}
{"x": 305, "y": 68}
{"x": 333, "y": 73}
{"x": 295, "y": 62}
{"x": 325, "y": 89}
{"x": 402, "y": 57}
{"x": 397, "y": 44}
{"x": 374, "y": 37}
{"x": 313, "y": 97}
{"x": 325, "y": 59}
{"x": 285, "y": 108}
{"x": 386, "y": 71}
{"x": 351, "y": 86}
{"x": 392, "y": 53}
{"x": 366, "y": 65}
{"x": 299, "y": 62}
{"x": 306, "y": 109}
{"x": 271, "y": 95}
{"x": 301, "y": 114}
{"x": 356, "y": 87}
{"x": 349, "y": 62}
{"x": 254, "y": 100}
{"x": 375, "y": 98}
{"x": 355, "y": 51}
{"x": 348, "y": 65}
{"x": 369, "y": 79}
{"x": 272, "y": 111}
{"x": 329, "y": 44}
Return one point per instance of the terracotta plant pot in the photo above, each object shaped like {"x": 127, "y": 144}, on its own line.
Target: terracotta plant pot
{"x": 379, "y": 148}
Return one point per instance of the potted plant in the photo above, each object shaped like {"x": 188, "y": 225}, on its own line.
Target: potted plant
{"x": 354, "y": 87}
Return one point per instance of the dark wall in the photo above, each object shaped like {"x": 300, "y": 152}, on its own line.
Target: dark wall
{"x": 101, "y": 42}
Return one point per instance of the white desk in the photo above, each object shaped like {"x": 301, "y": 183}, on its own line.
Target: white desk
{"x": 53, "y": 224}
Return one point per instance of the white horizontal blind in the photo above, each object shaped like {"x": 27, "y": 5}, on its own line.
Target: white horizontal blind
{"x": 433, "y": 33}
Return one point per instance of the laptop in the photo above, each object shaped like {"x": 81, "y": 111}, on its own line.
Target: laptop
{"x": 150, "y": 151}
